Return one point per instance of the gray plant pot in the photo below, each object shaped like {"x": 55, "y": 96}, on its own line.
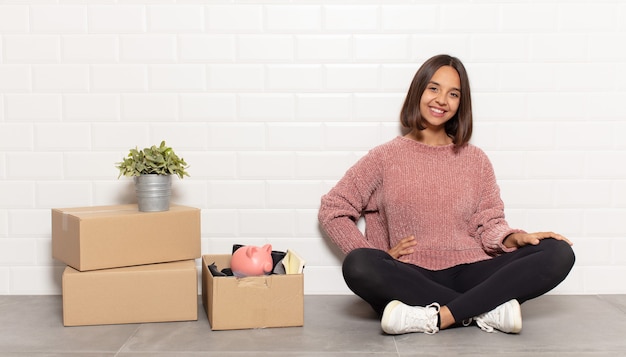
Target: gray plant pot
{"x": 153, "y": 192}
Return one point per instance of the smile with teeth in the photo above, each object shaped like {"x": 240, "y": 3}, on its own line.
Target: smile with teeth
{"x": 437, "y": 110}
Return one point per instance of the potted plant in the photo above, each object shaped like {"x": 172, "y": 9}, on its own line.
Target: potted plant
{"x": 152, "y": 169}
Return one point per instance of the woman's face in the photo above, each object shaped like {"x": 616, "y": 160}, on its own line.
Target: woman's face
{"x": 441, "y": 98}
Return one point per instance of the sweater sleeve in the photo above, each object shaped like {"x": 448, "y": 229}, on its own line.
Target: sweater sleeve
{"x": 488, "y": 224}
{"x": 345, "y": 203}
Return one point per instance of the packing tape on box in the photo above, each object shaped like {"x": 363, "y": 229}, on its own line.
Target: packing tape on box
{"x": 253, "y": 282}
{"x": 100, "y": 211}
{"x": 74, "y": 213}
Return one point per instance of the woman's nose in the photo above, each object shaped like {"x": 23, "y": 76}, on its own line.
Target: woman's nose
{"x": 441, "y": 99}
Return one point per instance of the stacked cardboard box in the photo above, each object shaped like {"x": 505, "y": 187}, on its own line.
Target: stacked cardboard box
{"x": 126, "y": 266}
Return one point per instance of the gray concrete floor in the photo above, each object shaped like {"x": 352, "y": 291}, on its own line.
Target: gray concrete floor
{"x": 586, "y": 325}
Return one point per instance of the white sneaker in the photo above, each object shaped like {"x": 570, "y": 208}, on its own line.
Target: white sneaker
{"x": 506, "y": 318}
{"x": 399, "y": 318}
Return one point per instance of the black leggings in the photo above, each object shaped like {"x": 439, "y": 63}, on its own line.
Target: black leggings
{"x": 468, "y": 290}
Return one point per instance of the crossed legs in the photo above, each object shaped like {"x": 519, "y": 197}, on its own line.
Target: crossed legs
{"x": 463, "y": 291}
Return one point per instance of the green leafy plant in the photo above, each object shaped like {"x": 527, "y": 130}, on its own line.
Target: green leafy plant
{"x": 159, "y": 160}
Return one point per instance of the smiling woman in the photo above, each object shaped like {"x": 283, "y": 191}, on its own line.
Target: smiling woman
{"x": 437, "y": 251}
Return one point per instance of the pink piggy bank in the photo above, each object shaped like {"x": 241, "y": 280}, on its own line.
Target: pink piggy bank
{"x": 251, "y": 260}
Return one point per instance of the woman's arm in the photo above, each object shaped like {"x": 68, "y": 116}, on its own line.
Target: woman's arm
{"x": 345, "y": 203}
{"x": 488, "y": 223}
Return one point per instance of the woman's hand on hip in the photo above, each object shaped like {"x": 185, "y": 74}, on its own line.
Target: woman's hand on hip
{"x": 401, "y": 250}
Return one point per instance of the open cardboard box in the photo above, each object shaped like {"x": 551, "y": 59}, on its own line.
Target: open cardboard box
{"x": 251, "y": 302}
{"x": 103, "y": 237}
{"x": 145, "y": 293}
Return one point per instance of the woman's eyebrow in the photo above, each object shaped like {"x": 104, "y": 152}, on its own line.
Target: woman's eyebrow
{"x": 437, "y": 84}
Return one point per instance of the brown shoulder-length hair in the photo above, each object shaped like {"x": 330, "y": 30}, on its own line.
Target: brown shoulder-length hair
{"x": 459, "y": 128}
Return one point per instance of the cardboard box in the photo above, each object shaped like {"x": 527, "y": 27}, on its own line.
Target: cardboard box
{"x": 146, "y": 293}
{"x": 251, "y": 302}
{"x": 104, "y": 237}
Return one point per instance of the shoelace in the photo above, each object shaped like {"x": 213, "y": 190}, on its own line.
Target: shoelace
{"x": 429, "y": 320}
{"x": 480, "y": 320}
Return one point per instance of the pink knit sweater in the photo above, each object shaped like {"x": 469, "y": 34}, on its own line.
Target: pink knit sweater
{"x": 448, "y": 200}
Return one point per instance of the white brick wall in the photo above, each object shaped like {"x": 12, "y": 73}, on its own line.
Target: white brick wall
{"x": 271, "y": 102}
